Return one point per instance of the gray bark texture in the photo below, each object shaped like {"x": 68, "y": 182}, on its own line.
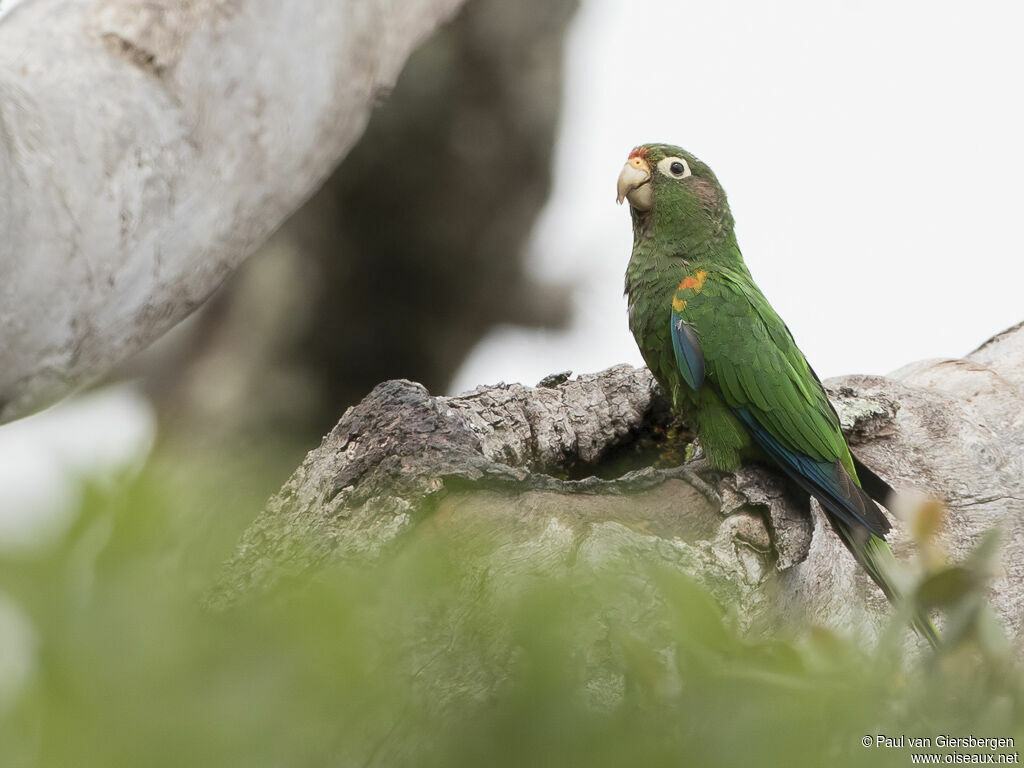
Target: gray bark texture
{"x": 146, "y": 148}
{"x": 497, "y": 465}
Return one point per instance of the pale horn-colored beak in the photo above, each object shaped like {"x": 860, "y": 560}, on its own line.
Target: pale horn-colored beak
{"x": 634, "y": 184}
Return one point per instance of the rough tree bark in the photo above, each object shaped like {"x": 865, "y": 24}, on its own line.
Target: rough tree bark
{"x": 146, "y": 148}
{"x": 496, "y": 465}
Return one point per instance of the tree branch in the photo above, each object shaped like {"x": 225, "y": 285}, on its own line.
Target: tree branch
{"x": 146, "y": 148}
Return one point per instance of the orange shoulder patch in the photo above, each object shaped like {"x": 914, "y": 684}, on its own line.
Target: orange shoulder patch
{"x": 694, "y": 281}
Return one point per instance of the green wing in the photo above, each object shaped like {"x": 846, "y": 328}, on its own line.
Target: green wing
{"x": 758, "y": 366}
{"x": 749, "y": 357}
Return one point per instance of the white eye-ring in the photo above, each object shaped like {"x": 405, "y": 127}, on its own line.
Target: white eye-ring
{"x": 675, "y": 168}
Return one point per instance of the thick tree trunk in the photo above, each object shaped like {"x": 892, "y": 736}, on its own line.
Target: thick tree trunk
{"x": 146, "y": 148}
{"x": 495, "y": 465}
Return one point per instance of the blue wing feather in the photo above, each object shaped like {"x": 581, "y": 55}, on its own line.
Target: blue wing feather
{"x": 825, "y": 480}
{"x": 689, "y": 355}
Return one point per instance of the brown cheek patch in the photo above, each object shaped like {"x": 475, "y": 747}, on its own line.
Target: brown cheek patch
{"x": 706, "y": 193}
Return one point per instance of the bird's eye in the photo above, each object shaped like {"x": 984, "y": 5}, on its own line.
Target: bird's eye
{"x": 674, "y": 167}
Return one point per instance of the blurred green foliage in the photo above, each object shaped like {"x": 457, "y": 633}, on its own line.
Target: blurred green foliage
{"x": 427, "y": 658}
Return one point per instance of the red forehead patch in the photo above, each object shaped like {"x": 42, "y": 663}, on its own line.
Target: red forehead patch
{"x": 640, "y": 152}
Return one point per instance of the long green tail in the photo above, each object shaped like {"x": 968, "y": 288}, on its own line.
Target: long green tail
{"x": 874, "y": 554}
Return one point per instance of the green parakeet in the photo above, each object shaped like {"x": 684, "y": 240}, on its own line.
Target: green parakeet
{"x": 727, "y": 360}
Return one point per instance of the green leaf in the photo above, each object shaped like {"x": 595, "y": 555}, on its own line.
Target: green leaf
{"x": 946, "y": 587}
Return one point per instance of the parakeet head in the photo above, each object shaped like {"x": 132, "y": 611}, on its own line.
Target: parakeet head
{"x": 668, "y": 183}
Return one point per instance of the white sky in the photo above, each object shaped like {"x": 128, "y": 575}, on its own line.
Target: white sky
{"x": 872, "y": 153}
